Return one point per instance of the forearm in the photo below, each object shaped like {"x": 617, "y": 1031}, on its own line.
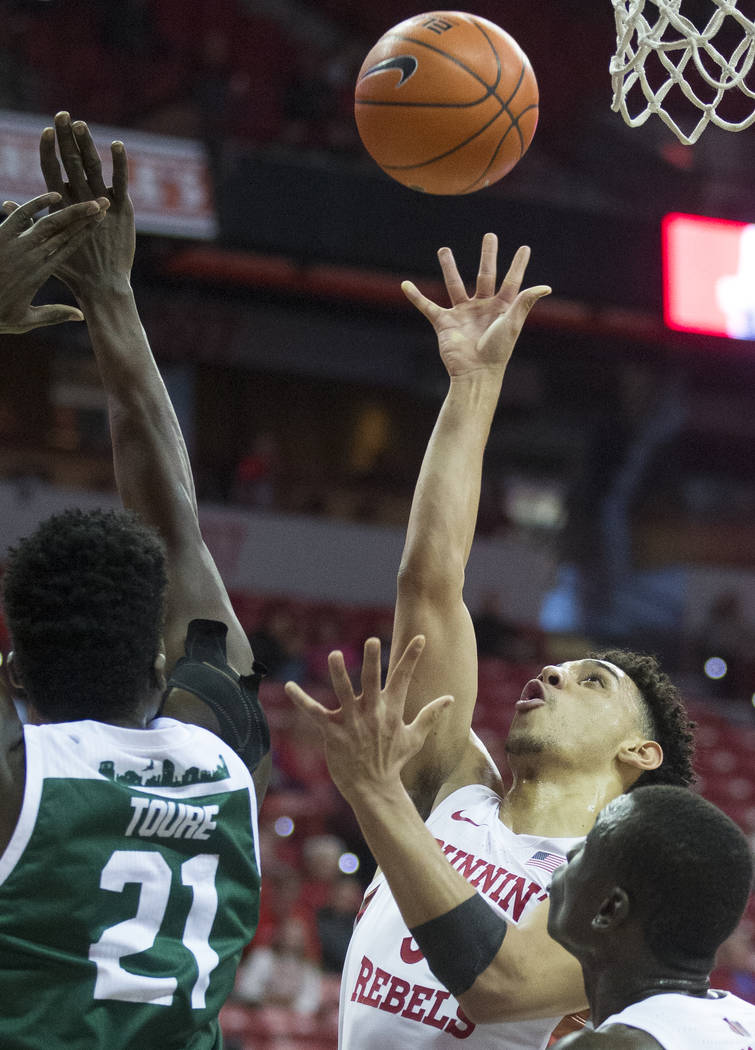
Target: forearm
{"x": 151, "y": 463}
{"x": 423, "y": 883}
{"x": 446, "y": 499}
{"x": 430, "y": 894}
{"x": 431, "y": 576}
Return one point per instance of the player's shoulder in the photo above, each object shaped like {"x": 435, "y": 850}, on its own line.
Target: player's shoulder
{"x": 615, "y": 1037}
{"x": 476, "y": 770}
{"x": 478, "y": 801}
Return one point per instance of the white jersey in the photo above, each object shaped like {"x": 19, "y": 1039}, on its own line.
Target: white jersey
{"x": 720, "y": 1021}
{"x": 389, "y": 996}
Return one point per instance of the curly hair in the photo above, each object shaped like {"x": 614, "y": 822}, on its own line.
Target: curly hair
{"x": 667, "y": 720}
{"x": 687, "y": 868}
{"x": 83, "y": 597}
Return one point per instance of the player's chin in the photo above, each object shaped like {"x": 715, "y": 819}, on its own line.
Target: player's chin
{"x": 555, "y": 919}
{"x": 521, "y": 741}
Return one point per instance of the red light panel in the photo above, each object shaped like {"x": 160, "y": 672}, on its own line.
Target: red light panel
{"x": 709, "y": 275}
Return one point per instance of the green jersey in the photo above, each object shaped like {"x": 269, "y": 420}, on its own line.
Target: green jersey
{"x": 128, "y": 890}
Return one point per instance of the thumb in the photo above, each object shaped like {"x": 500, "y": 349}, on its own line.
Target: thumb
{"x": 9, "y": 207}
{"x": 529, "y": 296}
{"x": 40, "y": 316}
{"x": 428, "y": 716}
{"x": 527, "y": 299}
{"x": 512, "y": 321}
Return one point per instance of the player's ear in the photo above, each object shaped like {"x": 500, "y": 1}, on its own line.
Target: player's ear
{"x": 612, "y": 912}
{"x": 158, "y": 671}
{"x": 14, "y": 674}
{"x": 642, "y": 754}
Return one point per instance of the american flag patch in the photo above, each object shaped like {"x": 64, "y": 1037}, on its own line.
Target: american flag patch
{"x": 736, "y": 1027}
{"x": 547, "y": 861}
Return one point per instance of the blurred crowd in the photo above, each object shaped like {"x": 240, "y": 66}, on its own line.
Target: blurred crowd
{"x": 143, "y": 63}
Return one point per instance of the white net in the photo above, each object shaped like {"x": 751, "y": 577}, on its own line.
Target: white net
{"x": 660, "y": 48}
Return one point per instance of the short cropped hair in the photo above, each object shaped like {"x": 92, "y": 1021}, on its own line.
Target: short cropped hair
{"x": 667, "y": 720}
{"x": 83, "y": 597}
{"x": 686, "y": 867}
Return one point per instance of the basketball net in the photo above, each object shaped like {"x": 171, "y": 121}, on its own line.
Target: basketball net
{"x": 656, "y": 31}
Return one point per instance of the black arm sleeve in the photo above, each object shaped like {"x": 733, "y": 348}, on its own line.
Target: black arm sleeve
{"x": 204, "y": 671}
{"x": 462, "y": 943}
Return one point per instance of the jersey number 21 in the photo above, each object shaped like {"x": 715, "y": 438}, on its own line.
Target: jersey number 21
{"x": 138, "y": 934}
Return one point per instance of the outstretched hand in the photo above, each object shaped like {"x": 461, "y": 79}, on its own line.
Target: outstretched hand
{"x": 110, "y": 255}
{"x": 479, "y": 331}
{"x": 367, "y": 743}
{"x": 30, "y": 252}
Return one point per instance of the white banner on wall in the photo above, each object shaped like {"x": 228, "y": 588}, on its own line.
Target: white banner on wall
{"x": 169, "y": 178}
{"x": 352, "y": 563}
{"x": 315, "y": 559}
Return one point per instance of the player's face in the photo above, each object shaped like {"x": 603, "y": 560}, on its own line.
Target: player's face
{"x": 582, "y": 710}
{"x": 580, "y": 887}
{"x": 568, "y": 908}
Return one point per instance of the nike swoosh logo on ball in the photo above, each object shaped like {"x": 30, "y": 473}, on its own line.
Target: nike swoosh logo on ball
{"x": 406, "y": 63}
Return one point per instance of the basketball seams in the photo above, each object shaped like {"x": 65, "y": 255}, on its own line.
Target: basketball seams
{"x": 513, "y": 124}
{"x": 448, "y": 152}
{"x": 515, "y": 120}
{"x": 522, "y": 68}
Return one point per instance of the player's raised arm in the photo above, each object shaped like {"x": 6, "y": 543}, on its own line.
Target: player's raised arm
{"x": 152, "y": 466}
{"x": 476, "y": 337}
{"x": 496, "y": 970}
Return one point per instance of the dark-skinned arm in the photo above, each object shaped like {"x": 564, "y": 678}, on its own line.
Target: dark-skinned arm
{"x": 29, "y": 253}
{"x": 151, "y": 461}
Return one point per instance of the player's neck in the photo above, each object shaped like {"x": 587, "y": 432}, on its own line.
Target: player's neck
{"x": 610, "y": 990}
{"x": 141, "y": 715}
{"x": 558, "y": 805}
{"x": 144, "y": 712}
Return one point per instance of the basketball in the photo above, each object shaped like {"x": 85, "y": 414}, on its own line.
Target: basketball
{"x": 446, "y": 102}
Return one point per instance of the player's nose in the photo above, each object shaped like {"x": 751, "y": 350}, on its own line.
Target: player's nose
{"x": 553, "y": 675}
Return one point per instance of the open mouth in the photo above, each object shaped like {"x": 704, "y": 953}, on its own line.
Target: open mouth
{"x": 533, "y": 695}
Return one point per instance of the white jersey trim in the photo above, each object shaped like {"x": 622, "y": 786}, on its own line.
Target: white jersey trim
{"x": 686, "y": 1022}
{"x": 27, "y": 818}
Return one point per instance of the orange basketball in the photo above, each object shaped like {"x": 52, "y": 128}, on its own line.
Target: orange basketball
{"x": 446, "y": 102}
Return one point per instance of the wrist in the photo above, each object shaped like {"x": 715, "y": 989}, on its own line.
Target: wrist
{"x": 371, "y": 799}
{"x": 93, "y": 292}
{"x": 476, "y": 394}
{"x": 484, "y": 377}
